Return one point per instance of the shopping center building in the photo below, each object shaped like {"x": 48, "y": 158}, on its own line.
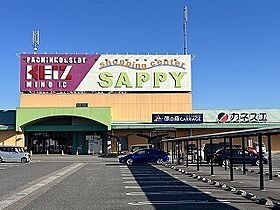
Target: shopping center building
{"x": 99, "y": 103}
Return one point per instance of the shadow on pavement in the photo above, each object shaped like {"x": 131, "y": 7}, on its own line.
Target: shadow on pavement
{"x": 164, "y": 191}
{"x": 112, "y": 164}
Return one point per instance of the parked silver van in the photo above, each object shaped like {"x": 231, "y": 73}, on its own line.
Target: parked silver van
{"x": 13, "y": 154}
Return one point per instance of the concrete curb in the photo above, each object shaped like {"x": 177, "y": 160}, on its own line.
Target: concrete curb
{"x": 194, "y": 176}
{"x": 212, "y": 182}
{"x": 269, "y": 203}
{"x": 191, "y": 175}
{"x": 241, "y": 192}
{"x": 218, "y": 184}
{"x": 250, "y": 196}
{"x": 232, "y": 189}
{"x": 262, "y": 201}
{"x": 187, "y": 173}
{"x": 204, "y": 179}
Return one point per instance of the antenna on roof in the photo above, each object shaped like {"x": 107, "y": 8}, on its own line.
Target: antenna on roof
{"x": 185, "y": 21}
{"x": 35, "y": 41}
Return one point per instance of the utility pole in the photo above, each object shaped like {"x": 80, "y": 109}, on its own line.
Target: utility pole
{"x": 35, "y": 41}
{"x": 185, "y": 22}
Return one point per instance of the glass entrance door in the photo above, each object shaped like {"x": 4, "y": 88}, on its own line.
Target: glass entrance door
{"x": 54, "y": 142}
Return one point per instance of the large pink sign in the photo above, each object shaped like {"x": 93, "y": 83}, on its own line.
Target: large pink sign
{"x": 105, "y": 73}
{"x": 54, "y": 72}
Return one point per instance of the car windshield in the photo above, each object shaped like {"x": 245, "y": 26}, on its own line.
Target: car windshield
{"x": 136, "y": 148}
{"x": 140, "y": 151}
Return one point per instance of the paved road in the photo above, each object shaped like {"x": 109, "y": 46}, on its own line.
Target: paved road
{"x": 88, "y": 182}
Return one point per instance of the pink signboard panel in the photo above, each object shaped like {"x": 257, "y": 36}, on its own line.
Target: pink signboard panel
{"x": 54, "y": 72}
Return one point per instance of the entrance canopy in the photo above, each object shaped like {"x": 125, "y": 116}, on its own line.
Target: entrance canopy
{"x": 25, "y": 116}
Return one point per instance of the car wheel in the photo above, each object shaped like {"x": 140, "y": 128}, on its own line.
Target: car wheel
{"x": 129, "y": 162}
{"x": 159, "y": 161}
{"x": 24, "y": 160}
{"x": 226, "y": 162}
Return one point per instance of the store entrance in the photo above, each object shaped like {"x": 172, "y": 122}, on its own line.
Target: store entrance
{"x": 54, "y": 142}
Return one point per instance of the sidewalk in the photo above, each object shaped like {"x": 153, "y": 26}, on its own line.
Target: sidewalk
{"x": 245, "y": 185}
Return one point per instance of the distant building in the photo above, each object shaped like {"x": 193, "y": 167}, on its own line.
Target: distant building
{"x": 93, "y": 103}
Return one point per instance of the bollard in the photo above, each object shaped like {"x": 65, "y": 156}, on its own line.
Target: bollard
{"x": 62, "y": 153}
{"x": 77, "y": 153}
{"x": 30, "y": 154}
{"x": 47, "y": 152}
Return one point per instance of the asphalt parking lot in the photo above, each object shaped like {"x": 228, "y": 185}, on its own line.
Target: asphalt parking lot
{"x": 89, "y": 182}
{"x": 157, "y": 187}
{"x": 248, "y": 185}
{"x": 275, "y": 165}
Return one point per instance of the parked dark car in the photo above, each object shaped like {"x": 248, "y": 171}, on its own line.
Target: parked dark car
{"x": 145, "y": 156}
{"x": 206, "y": 150}
{"x": 223, "y": 158}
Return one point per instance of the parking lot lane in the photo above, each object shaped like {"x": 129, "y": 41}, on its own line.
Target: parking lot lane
{"x": 12, "y": 178}
{"x": 95, "y": 186}
{"x": 100, "y": 185}
{"x": 178, "y": 192}
{"x": 19, "y": 198}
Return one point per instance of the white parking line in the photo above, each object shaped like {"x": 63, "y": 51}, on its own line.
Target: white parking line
{"x": 130, "y": 174}
{"x": 144, "y": 174}
{"x": 177, "y": 202}
{"x": 168, "y": 193}
{"x": 159, "y": 186}
{"x": 35, "y": 161}
{"x": 4, "y": 166}
{"x": 11, "y": 163}
{"x": 156, "y": 181}
{"x": 17, "y": 196}
{"x": 150, "y": 177}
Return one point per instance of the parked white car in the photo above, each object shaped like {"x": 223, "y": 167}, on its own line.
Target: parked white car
{"x": 13, "y": 154}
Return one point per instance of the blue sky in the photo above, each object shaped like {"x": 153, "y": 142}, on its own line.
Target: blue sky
{"x": 235, "y": 42}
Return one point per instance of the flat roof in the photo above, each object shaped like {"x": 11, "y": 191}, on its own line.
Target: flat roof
{"x": 233, "y": 134}
{"x": 143, "y": 125}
